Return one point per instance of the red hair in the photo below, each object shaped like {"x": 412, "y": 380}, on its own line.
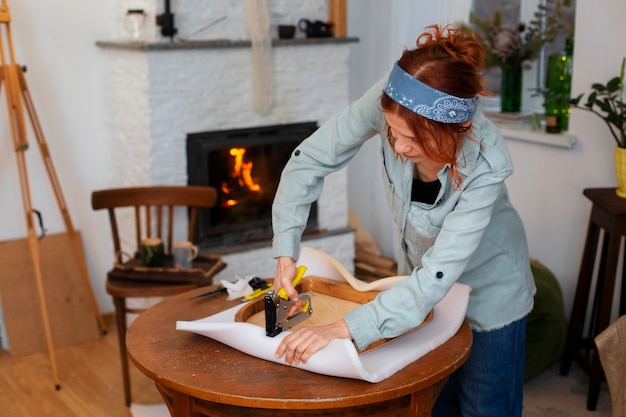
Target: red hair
{"x": 449, "y": 60}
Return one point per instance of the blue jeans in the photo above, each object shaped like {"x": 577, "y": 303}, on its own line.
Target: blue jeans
{"x": 491, "y": 382}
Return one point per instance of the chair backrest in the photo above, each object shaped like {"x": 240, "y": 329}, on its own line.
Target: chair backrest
{"x": 154, "y": 208}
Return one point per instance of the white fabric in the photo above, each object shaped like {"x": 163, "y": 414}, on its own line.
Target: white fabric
{"x": 239, "y": 288}
{"x": 259, "y": 28}
{"x": 321, "y": 264}
{"x": 149, "y": 410}
{"x": 340, "y": 357}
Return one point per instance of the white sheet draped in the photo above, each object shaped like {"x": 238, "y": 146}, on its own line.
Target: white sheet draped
{"x": 340, "y": 357}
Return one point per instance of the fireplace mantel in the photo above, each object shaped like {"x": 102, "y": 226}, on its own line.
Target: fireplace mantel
{"x": 217, "y": 43}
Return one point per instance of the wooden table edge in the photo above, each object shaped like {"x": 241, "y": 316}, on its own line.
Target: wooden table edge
{"x": 295, "y": 404}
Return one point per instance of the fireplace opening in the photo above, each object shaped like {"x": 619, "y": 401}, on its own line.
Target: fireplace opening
{"x": 244, "y": 165}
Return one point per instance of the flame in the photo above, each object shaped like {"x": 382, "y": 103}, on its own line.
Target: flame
{"x": 242, "y": 173}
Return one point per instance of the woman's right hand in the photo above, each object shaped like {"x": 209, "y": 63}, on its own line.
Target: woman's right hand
{"x": 285, "y": 274}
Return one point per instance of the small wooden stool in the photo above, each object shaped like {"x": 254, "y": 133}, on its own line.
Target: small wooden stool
{"x": 609, "y": 214}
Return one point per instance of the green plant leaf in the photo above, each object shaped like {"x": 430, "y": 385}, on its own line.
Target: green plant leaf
{"x": 606, "y": 102}
{"x": 575, "y": 100}
{"x": 591, "y": 100}
{"x": 598, "y": 87}
{"x": 614, "y": 84}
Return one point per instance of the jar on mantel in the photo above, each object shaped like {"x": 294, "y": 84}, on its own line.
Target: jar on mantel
{"x": 558, "y": 88}
{"x": 134, "y": 25}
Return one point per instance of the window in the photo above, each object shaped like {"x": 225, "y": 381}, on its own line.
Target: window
{"x": 514, "y": 12}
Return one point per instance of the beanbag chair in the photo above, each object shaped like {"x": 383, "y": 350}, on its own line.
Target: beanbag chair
{"x": 546, "y": 327}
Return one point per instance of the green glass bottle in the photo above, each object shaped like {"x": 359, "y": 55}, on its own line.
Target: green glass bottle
{"x": 558, "y": 88}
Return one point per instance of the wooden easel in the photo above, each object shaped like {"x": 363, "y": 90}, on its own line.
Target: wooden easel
{"x": 18, "y": 96}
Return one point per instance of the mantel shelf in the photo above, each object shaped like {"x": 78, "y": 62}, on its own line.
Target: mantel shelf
{"x": 216, "y": 43}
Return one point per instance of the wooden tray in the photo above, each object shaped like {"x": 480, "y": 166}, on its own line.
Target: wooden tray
{"x": 330, "y": 299}
{"x": 203, "y": 269}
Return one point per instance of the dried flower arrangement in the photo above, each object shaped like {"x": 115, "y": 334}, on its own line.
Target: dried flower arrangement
{"x": 509, "y": 46}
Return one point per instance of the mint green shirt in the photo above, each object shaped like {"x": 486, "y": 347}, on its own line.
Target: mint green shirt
{"x": 471, "y": 235}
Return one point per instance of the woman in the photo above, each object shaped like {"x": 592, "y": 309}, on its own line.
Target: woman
{"x": 444, "y": 166}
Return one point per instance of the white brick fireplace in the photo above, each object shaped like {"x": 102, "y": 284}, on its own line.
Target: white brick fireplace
{"x": 162, "y": 91}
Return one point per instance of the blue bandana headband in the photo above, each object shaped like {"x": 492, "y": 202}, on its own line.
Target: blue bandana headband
{"x": 426, "y": 101}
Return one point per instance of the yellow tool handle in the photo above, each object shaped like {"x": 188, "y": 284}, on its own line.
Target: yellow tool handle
{"x": 257, "y": 293}
{"x": 299, "y": 274}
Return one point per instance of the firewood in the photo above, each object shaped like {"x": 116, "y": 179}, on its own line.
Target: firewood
{"x": 376, "y": 260}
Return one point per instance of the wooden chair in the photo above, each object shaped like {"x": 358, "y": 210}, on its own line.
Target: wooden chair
{"x": 153, "y": 213}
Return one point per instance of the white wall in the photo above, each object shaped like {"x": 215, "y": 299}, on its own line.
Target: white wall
{"x": 56, "y": 40}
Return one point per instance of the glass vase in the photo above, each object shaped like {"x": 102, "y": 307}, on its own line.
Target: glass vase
{"x": 511, "y": 89}
{"x": 558, "y": 88}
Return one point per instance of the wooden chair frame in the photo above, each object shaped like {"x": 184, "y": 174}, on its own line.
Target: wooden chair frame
{"x": 154, "y": 216}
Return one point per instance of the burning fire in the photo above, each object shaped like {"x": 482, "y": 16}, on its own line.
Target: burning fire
{"x": 242, "y": 174}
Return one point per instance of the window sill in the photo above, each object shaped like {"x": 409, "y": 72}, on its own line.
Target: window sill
{"x": 527, "y": 126}
{"x": 561, "y": 140}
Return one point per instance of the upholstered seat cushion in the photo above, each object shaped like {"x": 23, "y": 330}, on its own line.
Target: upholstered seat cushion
{"x": 546, "y": 327}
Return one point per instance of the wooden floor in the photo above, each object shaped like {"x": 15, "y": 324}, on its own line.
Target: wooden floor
{"x": 90, "y": 378}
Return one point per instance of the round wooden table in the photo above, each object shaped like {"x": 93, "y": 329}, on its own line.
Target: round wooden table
{"x": 198, "y": 376}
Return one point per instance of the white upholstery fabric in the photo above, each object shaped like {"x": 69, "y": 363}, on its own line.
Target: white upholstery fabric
{"x": 340, "y": 357}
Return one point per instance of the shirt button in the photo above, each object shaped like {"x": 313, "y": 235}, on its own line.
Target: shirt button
{"x": 439, "y": 274}
{"x": 297, "y": 152}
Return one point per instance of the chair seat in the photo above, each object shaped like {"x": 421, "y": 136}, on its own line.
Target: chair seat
{"x": 131, "y": 289}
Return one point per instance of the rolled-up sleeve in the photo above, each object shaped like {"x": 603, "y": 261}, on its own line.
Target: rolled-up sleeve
{"x": 327, "y": 150}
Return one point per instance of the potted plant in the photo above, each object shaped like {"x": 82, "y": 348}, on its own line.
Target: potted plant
{"x": 607, "y": 102}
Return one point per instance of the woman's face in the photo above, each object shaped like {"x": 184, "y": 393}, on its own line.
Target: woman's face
{"x": 404, "y": 141}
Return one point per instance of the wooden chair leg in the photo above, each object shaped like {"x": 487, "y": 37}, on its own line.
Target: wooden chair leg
{"x": 581, "y": 298}
{"x": 592, "y": 395}
{"x": 120, "y": 317}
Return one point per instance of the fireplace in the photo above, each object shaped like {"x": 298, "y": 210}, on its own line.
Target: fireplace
{"x": 244, "y": 166}
{"x": 160, "y": 92}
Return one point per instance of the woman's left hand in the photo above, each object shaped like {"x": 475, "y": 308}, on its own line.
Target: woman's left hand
{"x": 300, "y": 345}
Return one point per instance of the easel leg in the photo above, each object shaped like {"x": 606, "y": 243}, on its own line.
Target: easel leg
{"x": 36, "y": 257}
{"x": 34, "y": 250}
{"x": 59, "y": 196}
{"x": 16, "y": 90}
